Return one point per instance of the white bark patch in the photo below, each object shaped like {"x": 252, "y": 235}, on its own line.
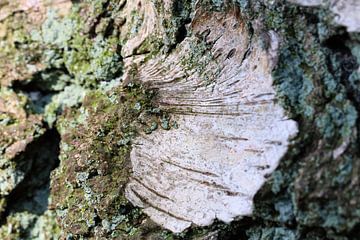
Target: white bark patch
{"x": 308, "y": 3}
{"x": 347, "y": 12}
{"x": 231, "y": 132}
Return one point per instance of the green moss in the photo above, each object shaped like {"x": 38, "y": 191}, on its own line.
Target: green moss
{"x": 74, "y": 60}
{"x": 59, "y": 61}
{"x": 96, "y": 166}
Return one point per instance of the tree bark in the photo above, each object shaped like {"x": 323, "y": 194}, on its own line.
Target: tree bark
{"x": 169, "y": 119}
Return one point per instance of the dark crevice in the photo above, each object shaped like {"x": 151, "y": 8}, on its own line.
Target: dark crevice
{"x": 42, "y": 82}
{"x": 30, "y": 87}
{"x": 109, "y": 29}
{"x": 181, "y": 33}
{"x": 313, "y": 233}
{"x": 92, "y": 31}
{"x": 32, "y": 194}
{"x": 41, "y": 88}
{"x": 37, "y": 98}
{"x": 137, "y": 54}
{"x": 341, "y": 53}
{"x": 238, "y": 229}
{"x": 180, "y": 12}
{"x": 355, "y": 233}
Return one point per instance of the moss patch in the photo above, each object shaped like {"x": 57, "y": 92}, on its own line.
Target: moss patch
{"x": 95, "y": 163}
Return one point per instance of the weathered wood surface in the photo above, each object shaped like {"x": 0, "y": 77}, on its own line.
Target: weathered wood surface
{"x": 231, "y": 132}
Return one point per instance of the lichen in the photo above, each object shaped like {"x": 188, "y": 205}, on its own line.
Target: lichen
{"x": 95, "y": 163}
{"x": 30, "y": 226}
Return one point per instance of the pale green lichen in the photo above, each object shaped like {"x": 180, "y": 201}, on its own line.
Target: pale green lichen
{"x": 28, "y": 226}
{"x": 56, "y": 31}
{"x": 71, "y": 96}
{"x": 87, "y": 60}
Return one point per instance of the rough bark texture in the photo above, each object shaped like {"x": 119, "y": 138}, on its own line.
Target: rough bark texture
{"x": 84, "y": 82}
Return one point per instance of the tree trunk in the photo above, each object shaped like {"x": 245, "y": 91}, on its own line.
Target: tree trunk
{"x": 187, "y": 119}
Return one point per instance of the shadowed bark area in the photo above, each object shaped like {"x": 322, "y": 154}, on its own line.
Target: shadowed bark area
{"x": 179, "y": 119}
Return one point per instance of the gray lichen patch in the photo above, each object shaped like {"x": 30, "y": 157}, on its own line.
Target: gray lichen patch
{"x": 30, "y": 226}
{"x": 231, "y": 133}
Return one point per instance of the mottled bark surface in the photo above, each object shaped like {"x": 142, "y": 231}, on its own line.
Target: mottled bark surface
{"x": 98, "y": 96}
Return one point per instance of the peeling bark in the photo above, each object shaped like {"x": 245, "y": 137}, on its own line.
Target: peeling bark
{"x": 230, "y": 132}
